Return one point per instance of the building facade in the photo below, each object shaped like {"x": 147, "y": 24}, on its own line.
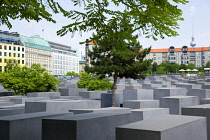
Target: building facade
{"x": 11, "y": 48}
{"x": 64, "y": 59}
{"x": 198, "y": 56}
{"x": 37, "y": 50}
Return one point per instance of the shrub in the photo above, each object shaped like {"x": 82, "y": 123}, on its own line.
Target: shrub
{"x": 92, "y": 82}
{"x": 72, "y": 73}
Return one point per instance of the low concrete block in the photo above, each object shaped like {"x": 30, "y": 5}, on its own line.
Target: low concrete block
{"x": 24, "y": 126}
{"x": 43, "y": 94}
{"x": 60, "y": 105}
{"x": 147, "y": 113}
{"x": 175, "y": 103}
{"x": 164, "y": 92}
{"x": 71, "y": 91}
{"x": 8, "y": 112}
{"x": 136, "y": 104}
{"x": 23, "y": 100}
{"x": 137, "y": 94}
{"x": 91, "y": 94}
{"x": 87, "y": 126}
{"x": 200, "y": 93}
{"x": 169, "y": 127}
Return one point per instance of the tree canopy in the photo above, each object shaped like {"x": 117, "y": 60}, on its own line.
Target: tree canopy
{"x": 28, "y": 10}
{"x": 27, "y": 79}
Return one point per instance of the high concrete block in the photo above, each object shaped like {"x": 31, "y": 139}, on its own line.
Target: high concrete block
{"x": 23, "y": 100}
{"x": 175, "y": 103}
{"x": 169, "y": 127}
{"x": 147, "y": 113}
{"x": 205, "y": 101}
{"x": 137, "y": 94}
{"x": 136, "y": 104}
{"x": 200, "y": 93}
{"x": 106, "y": 99}
{"x": 60, "y": 105}
{"x": 98, "y": 110}
{"x": 43, "y": 94}
{"x": 87, "y": 126}
{"x": 189, "y": 86}
{"x": 24, "y": 126}
{"x": 151, "y": 86}
{"x": 199, "y": 110}
{"x": 164, "y": 92}
{"x": 71, "y": 91}
{"x": 8, "y": 112}
{"x": 91, "y": 94}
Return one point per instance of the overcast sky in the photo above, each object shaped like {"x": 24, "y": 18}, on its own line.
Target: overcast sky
{"x": 198, "y": 10}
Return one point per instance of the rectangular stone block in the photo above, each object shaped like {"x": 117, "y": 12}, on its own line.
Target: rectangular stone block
{"x": 137, "y": 94}
{"x": 23, "y": 100}
{"x": 61, "y": 106}
{"x": 199, "y": 110}
{"x": 88, "y": 126}
{"x": 136, "y": 104}
{"x": 164, "y": 92}
{"x": 91, "y": 94}
{"x": 98, "y": 110}
{"x": 175, "y": 103}
{"x": 71, "y": 91}
{"x": 8, "y": 112}
{"x": 169, "y": 127}
{"x": 200, "y": 93}
{"x": 147, "y": 113}
{"x": 24, "y": 126}
{"x": 189, "y": 86}
{"x": 43, "y": 94}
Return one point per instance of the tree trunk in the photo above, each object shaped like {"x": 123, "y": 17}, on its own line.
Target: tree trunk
{"x": 114, "y": 90}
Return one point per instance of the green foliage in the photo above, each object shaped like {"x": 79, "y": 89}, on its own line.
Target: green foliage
{"x": 72, "y": 73}
{"x": 207, "y": 65}
{"x": 28, "y": 10}
{"x": 93, "y": 82}
{"x": 28, "y": 79}
{"x": 201, "y": 74}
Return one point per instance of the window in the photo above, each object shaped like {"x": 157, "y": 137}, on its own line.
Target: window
{"x": 198, "y": 53}
{"x": 18, "y": 61}
{"x": 14, "y": 48}
{"x": 0, "y": 60}
{"x": 198, "y": 57}
{"x": 18, "y": 54}
{"x": 1, "y": 68}
{"x": 14, "y": 55}
{"x": 10, "y": 48}
{"x": 5, "y": 53}
{"x": 5, "y": 47}
{"x": 22, "y": 61}
{"x": 5, "y": 60}
{"x": 0, "y": 53}
{"x": 18, "y": 48}
{"x": 0, "y": 46}
{"x": 9, "y": 54}
{"x": 198, "y": 61}
{"x": 22, "y": 55}
{"x": 22, "y": 49}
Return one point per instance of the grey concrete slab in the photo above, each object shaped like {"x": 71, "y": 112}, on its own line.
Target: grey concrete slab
{"x": 66, "y": 97}
{"x": 43, "y": 94}
{"x": 205, "y": 101}
{"x": 147, "y": 113}
{"x": 189, "y": 86}
{"x": 175, "y": 103}
{"x": 15, "y": 106}
{"x": 164, "y": 92}
{"x": 98, "y": 110}
{"x": 23, "y": 100}
{"x": 138, "y": 94}
{"x": 151, "y": 86}
{"x": 24, "y": 126}
{"x": 87, "y": 126}
{"x": 71, "y": 91}
{"x": 136, "y": 104}
{"x": 91, "y": 94}
{"x": 8, "y": 112}
{"x": 60, "y": 105}
{"x": 199, "y": 110}
{"x": 169, "y": 127}
{"x": 200, "y": 93}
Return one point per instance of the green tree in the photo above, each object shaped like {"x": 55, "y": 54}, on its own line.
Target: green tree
{"x": 28, "y": 79}
{"x": 72, "y": 73}
{"x": 161, "y": 70}
{"x": 28, "y": 10}
{"x": 118, "y": 55}
{"x": 207, "y": 65}
{"x": 154, "y": 67}
{"x": 190, "y": 66}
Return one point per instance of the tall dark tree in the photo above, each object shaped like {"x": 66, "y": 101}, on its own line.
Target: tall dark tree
{"x": 118, "y": 54}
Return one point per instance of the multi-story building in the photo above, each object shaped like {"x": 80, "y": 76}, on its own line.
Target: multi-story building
{"x": 37, "y": 50}
{"x": 10, "y": 48}
{"x": 198, "y": 56}
{"x": 64, "y": 59}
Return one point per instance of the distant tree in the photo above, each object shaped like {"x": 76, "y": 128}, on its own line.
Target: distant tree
{"x": 161, "y": 70}
{"x": 207, "y": 65}
{"x": 28, "y": 10}
{"x": 28, "y": 79}
{"x": 190, "y": 66}
{"x": 154, "y": 67}
{"x": 183, "y": 66}
{"x": 72, "y": 73}
{"x": 175, "y": 68}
